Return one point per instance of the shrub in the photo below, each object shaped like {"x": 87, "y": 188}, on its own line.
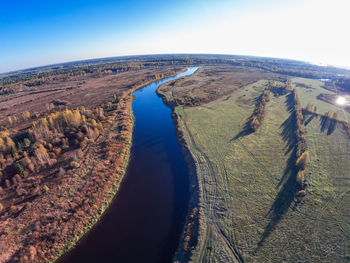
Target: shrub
{"x": 2, "y": 145}
{"x": 74, "y": 164}
{"x": 26, "y": 142}
{"x": 93, "y": 123}
{"x": 45, "y": 188}
{"x": 303, "y": 160}
{"x": 31, "y": 167}
{"x": 41, "y": 154}
{"x": 19, "y": 169}
{"x": 310, "y": 108}
{"x": 301, "y": 193}
{"x": 300, "y": 178}
{"x": 7, "y": 144}
{"x": 26, "y": 115}
{"x": 57, "y": 150}
{"x": 10, "y": 121}
{"x": 254, "y": 124}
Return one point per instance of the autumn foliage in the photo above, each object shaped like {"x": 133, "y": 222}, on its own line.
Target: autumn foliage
{"x": 301, "y": 153}
{"x": 57, "y": 175}
{"x": 257, "y": 117}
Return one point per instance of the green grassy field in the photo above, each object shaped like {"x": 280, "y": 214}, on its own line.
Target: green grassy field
{"x": 309, "y": 96}
{"x": 247, "y": 184}
{"x": 329, "y": 200}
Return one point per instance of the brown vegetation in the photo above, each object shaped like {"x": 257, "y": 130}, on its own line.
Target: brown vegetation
{"x": 24, "y": 104}
{"x": 209, "y": 83}
{"x": 58, "y": 173}
{"x": 189, "y": 237}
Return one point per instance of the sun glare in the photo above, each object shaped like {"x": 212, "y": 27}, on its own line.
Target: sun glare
{"x": 341, "y": 101}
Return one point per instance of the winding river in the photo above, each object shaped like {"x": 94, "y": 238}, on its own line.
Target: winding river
{"x": 145, "y": 220}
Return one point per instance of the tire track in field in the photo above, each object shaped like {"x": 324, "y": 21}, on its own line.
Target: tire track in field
{"x": 212, "y": 216}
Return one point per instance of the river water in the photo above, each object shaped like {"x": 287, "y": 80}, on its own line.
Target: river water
{"x": 145, "y": 220}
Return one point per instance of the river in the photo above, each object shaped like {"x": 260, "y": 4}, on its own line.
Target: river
{"x": 145, "y": 220}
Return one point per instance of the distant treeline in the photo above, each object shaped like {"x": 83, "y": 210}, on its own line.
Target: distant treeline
{"x": 41, "y": 75}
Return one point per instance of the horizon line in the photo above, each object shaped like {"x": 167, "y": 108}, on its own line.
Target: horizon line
{"x": 163, "y": 54}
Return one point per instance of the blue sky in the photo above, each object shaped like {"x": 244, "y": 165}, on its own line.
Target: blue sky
{"x": 34, "y": 33}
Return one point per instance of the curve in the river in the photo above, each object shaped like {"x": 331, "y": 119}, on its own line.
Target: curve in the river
{"x": 144, "y": 222}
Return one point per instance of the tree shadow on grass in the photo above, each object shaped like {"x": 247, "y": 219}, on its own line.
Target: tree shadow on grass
{"x": 280, "y": 206}
{"x": 290, "y": 140}
{"x": 288, "y": 133}
{"x": 332, "y": 126}
{"x": 324, "y": 124}
{"x": 246, "y": 131}
{"x": 287, "y": 184}
{"x": 328, "y": 125}
{"x": 308, "y": 118}
{"x": 290, "y": 102}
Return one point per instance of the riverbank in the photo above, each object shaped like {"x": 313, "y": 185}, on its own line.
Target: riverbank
{"x": 127, "y": 120}
{"x": 194, "y": 226}
{"x": 152, "y": 201}
{"x": 121, "y": 163}
{"x": 55, "y": 208}
{"x": 247, "y": 180}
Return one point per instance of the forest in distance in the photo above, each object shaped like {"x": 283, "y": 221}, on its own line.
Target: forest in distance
{"x": 266, "y": 141}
